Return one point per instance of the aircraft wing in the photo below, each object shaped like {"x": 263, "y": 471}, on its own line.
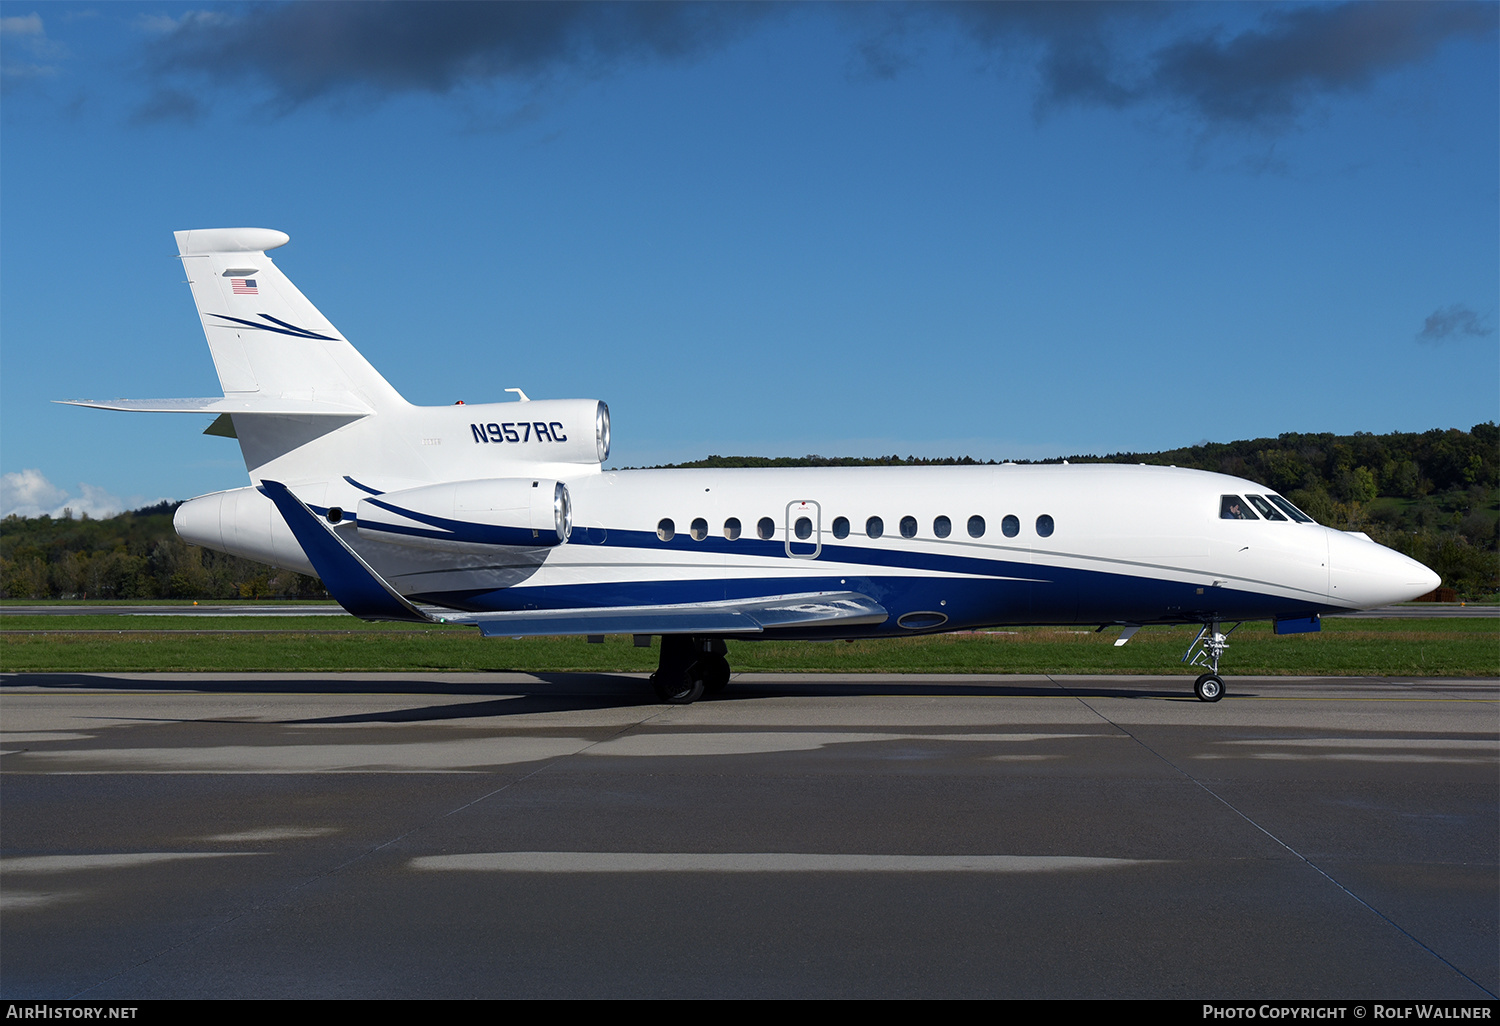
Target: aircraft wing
{"x": 361, "y": 590}
{"x": 746, "y": 616}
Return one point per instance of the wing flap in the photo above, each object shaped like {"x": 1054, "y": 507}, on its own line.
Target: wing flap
{"x": 540, "y": 623}
{"x": 746, "y": 616}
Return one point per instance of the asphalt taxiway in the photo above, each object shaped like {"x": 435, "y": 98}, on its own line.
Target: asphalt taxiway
{"x": 511, "y": 835}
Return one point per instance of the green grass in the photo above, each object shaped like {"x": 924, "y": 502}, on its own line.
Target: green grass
{"x": 106, "y": 643}
{"x": 312, "y": 604}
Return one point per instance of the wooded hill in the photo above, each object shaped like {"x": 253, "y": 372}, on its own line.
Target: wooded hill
{"x": 136, "y": 555}
{"x": 1434, "y": 496}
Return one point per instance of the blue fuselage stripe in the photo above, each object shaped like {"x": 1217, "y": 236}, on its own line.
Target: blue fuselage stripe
{"x": 991, "y": 592}
{"x": 857, "y": 554}
{"x": 457, "y": 530}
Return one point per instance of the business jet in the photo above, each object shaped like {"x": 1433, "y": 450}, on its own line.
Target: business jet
{"x": 500, "y": 516}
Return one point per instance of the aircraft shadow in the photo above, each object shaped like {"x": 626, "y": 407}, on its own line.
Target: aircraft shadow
{"x": 579, "y": 692}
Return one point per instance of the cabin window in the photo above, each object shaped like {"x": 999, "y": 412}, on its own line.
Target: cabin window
{"x": 1010, "y": 526}
{"x": 802, "y": 528}
{"x": 841, "y": 527}
{"x": 665, "y": 529}
{"x": 976, "y": 526}
{"x": 1292, "y": 511}
{"x": 942, "y": 527}
{"x": 732, "y": 528}
{"x": 874, "y": 527}
{"x": 765, "y": 528}
{"x": 698, "y": 529}
{"x": 1044, "y": 525}
{"x": 1264, "y": 508}
{"x": 1232, "y": 507}
{"x": 908, "y": 527}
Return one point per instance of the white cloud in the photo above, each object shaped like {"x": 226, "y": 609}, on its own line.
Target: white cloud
{"x": 164, "y": 23}
{"x": 28, "y": 493}
{"x": 29, "y": 36}
{"x": 23, "y": 25}
{"x": 28, "y": 490}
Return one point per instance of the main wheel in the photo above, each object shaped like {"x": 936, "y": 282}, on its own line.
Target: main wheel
{"x": 1209, "y": 687}
{"x": 681, "y": 688}
{"x": 715, "y": 670}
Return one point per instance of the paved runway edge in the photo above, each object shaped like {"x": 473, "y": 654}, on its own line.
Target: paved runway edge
{"x": 459, "y": 835}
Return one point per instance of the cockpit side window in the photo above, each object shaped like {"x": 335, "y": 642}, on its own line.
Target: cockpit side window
{"x": 1292, "y": 511}
{"x": 1232, "y": 507}
{"x": 1266, "y": 510}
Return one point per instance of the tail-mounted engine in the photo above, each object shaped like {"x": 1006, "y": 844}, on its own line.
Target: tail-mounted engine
{"x": 529, "y": 512}
{"x": 537, "y": 430}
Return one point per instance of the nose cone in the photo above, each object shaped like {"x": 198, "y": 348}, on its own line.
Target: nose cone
{"x": 1363, "y": 574}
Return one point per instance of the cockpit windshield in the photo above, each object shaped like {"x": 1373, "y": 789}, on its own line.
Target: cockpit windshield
{"x": 1265, "y": 509}
{"x": 1232, "y": 507}
{"x": 1268, "y": 506}
{"x": 1292, "y": 511}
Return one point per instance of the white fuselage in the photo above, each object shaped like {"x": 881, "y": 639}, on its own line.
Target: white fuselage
{"x": 1128, "y": 544}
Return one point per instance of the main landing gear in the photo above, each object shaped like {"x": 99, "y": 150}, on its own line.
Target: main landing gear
{"x": 689, "y": 667}
{"x": 1205, "y": 651}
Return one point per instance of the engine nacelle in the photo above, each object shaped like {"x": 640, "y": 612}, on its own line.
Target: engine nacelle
{"x": 537, "y": 430}
{"x": 522, "y": 512}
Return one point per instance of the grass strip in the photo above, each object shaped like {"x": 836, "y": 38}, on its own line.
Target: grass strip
{"x": 104, "y": 644}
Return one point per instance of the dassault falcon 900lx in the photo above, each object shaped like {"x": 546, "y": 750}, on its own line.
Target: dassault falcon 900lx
{"x": 501, "y": 516}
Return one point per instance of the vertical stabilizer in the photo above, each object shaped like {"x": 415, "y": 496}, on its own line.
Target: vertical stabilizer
{"x": 267, "y": 340}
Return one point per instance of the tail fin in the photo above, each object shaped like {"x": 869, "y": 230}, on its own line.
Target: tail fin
{"x": 268, "y": 342}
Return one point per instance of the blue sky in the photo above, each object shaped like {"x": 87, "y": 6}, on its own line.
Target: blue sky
{"x": 1001, "y": 231}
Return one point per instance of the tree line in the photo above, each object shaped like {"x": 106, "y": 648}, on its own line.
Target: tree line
{"x": 1434, "y": 496}
{"x": 136, "y": 555}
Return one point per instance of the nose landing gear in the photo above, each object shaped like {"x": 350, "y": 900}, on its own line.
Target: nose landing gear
{"x": 1205, "y": 651}
{"x": 1209, "y": 687}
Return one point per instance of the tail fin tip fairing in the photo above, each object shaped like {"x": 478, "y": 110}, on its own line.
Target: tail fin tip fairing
{"x": 203, "y": 241}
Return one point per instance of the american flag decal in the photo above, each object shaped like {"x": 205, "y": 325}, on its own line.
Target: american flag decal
{"x": 243, "y": 286}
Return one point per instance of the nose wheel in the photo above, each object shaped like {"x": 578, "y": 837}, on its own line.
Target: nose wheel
{"x": 1205, "y": 651}
{"x": 1209, "y": 687}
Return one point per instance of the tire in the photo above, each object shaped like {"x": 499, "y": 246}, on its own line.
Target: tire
{"x": 1209, "y": 687}
{"x": 684, "y": 688}
{"x": 715, "y": 670}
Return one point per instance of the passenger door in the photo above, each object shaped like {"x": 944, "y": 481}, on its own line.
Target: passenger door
{"x": 804, "y": 529}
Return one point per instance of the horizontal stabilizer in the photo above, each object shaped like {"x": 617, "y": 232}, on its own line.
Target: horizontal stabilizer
{"x": 348, "y": 578}
{"x": 225, "y": 404}
{"x": 749, "y": 616}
